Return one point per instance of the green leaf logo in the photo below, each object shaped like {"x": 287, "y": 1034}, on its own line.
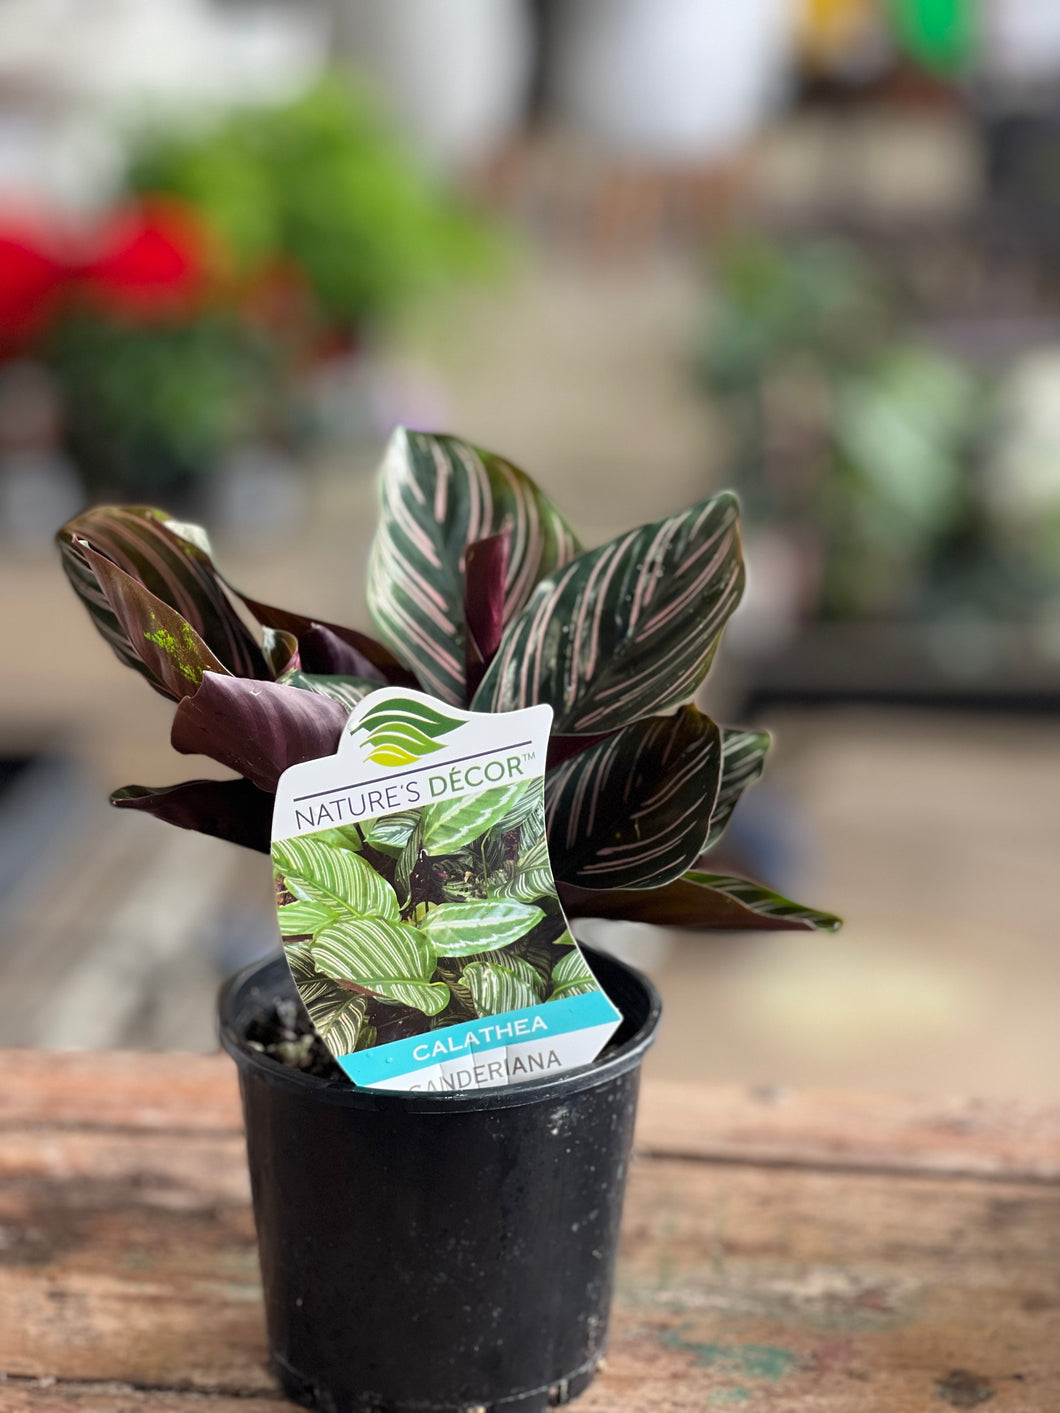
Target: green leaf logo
{"x": 401, "y": 732}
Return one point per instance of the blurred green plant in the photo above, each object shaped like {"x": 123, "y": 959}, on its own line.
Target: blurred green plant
{"x": 324, "y": 184}
{"x": 150, "y": 407}
{"x": 847, "y": 431}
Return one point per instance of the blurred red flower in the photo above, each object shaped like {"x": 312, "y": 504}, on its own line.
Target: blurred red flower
{"x": 30, "y": 279}
{"x": 151, "y": 260}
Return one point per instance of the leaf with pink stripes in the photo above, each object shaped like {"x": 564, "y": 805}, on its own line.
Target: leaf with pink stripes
{"x": 702, "y": 902}
{"x": 627, "y": 630}
{"x": 171, "y": 562}
{"x": 440, "y": 495}
{"x": 634, "y": 811}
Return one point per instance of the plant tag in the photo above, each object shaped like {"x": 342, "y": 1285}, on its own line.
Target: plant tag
{"x": 417, "y": 905}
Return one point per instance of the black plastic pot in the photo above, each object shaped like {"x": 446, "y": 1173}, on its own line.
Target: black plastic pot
{"x": 449, "y": 1252}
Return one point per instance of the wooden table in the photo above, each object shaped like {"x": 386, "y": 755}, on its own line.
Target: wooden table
{"x": 782, "y": 1251}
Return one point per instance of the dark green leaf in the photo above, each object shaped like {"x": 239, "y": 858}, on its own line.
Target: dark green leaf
{"x": 441, "y": 494}
{"x": 625, "y": 631}
{"x": 407, "y": 862}
{"x": 702, "y": 901}
{"x": 743, "y": 755}
{"x": 346, "y": 690}
{"x": 634, "y": 811}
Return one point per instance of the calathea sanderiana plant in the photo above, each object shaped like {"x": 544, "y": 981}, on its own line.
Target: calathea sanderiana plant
{"x": 483, "y": 597}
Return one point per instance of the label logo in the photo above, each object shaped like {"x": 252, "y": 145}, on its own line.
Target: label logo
{"x": 401, "y": 732}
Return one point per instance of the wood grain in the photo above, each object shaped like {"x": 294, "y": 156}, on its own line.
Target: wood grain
{"x": 821, "y": 1128}
{"x": 832, "y": 1272}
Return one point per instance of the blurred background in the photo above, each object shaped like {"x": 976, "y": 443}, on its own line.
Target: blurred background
{"x": 646, "y": 249}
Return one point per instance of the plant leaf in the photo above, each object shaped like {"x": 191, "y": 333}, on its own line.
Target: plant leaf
{"x": 388, "y": 959}
{"x": 304, "y": 919}
{"x": 485, "y": 570}
{"x": 257, "y": 728}
{"x": 338, "y": 1014}
{"x": 406, "y": 863}
{"x": 466, "y": 929}
{"x": 441, "y": 494}
{"x": 325, "y": 652}
{"x": 280, "y": 650}
{"x": 702, "y": 901}
{"x": 571, "y": 976}
{"x": 743, "y": 756}
{"x": 634, "y": 811}
{"x": 625, "y": 631}
{"x": 346, "y": 690}
{"x": 172, "y": 561}
{"x": 341, "y": 836}
{"x": 166, "y": 644}
{"x": 449, "y": 825}
{"x": 372, "y": 660}
{"x": 526, "y": 812}
{"x": 532, "y": 878}
{"x": 337, "y": 878}
{"x": 496, "y": 988}
{"x": 391, "y": 831}
{"x": 234, "y": 810}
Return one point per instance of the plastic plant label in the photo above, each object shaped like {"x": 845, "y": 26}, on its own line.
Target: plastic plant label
{"x": 417, "y": 905}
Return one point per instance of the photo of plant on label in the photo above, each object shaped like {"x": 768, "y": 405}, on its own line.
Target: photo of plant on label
{"x": 417, "y": 906}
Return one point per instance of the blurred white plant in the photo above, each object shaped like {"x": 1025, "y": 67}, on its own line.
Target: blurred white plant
{"x": 78, "y": 72}
{"x": 1022, "y": 478}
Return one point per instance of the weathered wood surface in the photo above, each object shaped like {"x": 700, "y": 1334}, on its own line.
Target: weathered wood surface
{"x": 716, "y": 1122}
{"x": 818, "y": 1253}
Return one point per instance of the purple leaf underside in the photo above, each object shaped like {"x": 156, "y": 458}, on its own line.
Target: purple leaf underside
{"x": 234, "y": 810}
{"x": 257, "y": 728}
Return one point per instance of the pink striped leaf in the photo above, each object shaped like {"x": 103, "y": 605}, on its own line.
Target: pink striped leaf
{"x": 701, "y": 902}
{"x": 257, "y": 728}
{"x": 173, "y": 656}
{"x": 347, "y": 690}
{"x": 634, "y": 811}
{"x": 440, "y": 495}
{"x": 627, "y": 630}
{"x": 172, "y": 562}
{"x": 323, "y": 647}
{"x": 234, "y": 810}
{"x": 743, "y": 756}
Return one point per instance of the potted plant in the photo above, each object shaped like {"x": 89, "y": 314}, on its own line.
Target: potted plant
{"x": 456, "y": 1250}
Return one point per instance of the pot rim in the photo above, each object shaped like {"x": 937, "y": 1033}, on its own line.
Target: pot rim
{"x": 343, "y": 1093}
